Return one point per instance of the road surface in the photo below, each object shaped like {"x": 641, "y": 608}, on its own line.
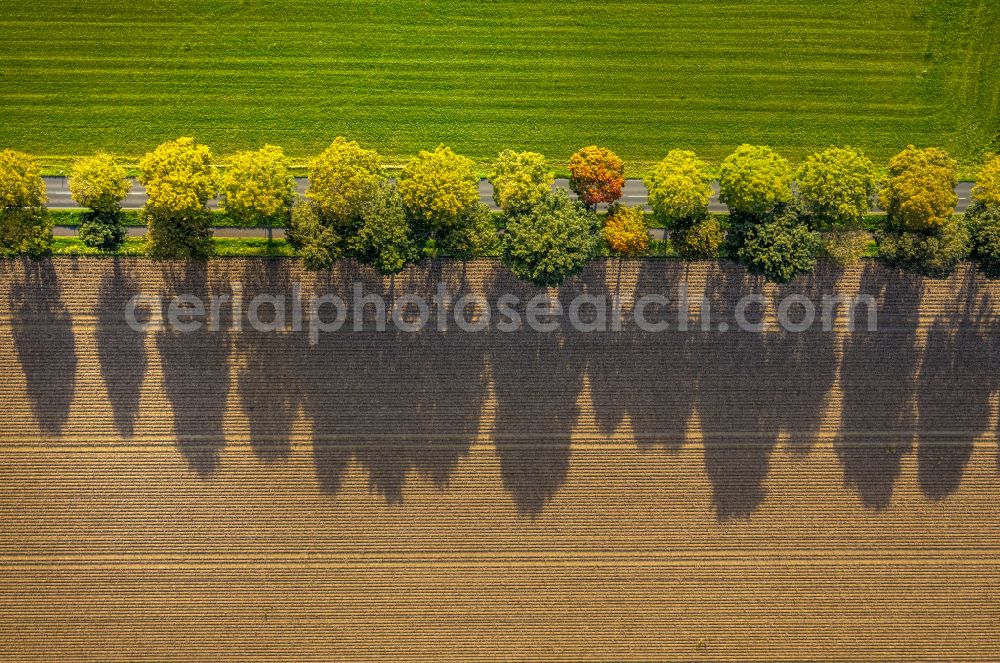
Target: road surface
{"x": 634, "y": 193}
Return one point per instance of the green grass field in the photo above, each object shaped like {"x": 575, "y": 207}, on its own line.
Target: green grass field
{"x": 641, "y": 77}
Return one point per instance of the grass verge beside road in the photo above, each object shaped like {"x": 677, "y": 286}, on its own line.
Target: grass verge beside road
{"x": 222, "y": 247}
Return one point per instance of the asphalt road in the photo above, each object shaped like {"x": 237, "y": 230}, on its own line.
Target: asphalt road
{"x": 634, "y": 193}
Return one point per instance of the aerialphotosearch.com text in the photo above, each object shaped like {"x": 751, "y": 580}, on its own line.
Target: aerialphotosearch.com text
{"x": 544, "y": 312}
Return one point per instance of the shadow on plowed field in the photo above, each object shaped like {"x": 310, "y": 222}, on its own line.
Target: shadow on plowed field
{"x": 196, "y": 370}
{"x": 42, "y": 328}
{"x": 746, "y": 389}
{"x": 399, "y": 402}
{"x": 960, "y": 371}
{"x": 122, "y": 379}
{"x": 394, "y": 401}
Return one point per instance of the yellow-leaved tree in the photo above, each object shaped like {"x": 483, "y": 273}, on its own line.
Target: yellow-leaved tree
{"x": 987, "y": 189}
{"x": 983, "y": 219}
{"x": 25, "y": 227}
{"x": 520, "y": 180}
{"x": 342, "y": 180}
{"x": 836, "y": 188}
{"x": 440, "y": 193}
{"x": 439, "y": 188}
{"x": 179, "y": 180}
{"x": 919, "y": 193}
{"x": 679, "y": 190}
{"x": 257, "y": 188}
{"x": 755, "y": 182}
{"x": 919, "y": 198}
{"x": 100, "y": 184}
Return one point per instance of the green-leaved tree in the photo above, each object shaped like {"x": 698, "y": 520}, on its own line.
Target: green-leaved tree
{"x": 318, "y": 243}
{"x": 780, "y": 248}
{"x": 984, "y": 229}
{"x": 383, "y": 238}
{"x": 552, "y": 241}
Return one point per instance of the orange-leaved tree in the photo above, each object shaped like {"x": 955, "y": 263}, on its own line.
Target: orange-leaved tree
{"x": 625, "y": 231}
{"x": 597, "y": 175}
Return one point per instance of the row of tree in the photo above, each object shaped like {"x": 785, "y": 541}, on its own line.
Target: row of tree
{"x": 781, "y": 219}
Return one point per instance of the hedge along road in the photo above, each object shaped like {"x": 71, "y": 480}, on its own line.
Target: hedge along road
{"x": 633, "y": 193}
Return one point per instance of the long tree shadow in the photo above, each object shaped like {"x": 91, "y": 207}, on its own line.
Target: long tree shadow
{"x": 748, "y": 387}
{"x": 878, "y": 378}
{"x": 398, "y": 401}
{"x": 268, "y": 380}
{"x": 957, "y": 377}
{"x": 433, "y": 385}
{"x": 329, "y": 388}
{"x": 734, "y": 400}
{"x": 196, "y": 367}
{"x": 802, "y": 361}
{"x": 43, "y": 339}
{"x": 537, "y": 377}
{"x": 644, "y": 375}
{"x": 120, "y": 349}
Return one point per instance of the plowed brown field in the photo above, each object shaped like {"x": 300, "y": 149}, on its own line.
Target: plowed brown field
{"x": 452, "y": 496}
